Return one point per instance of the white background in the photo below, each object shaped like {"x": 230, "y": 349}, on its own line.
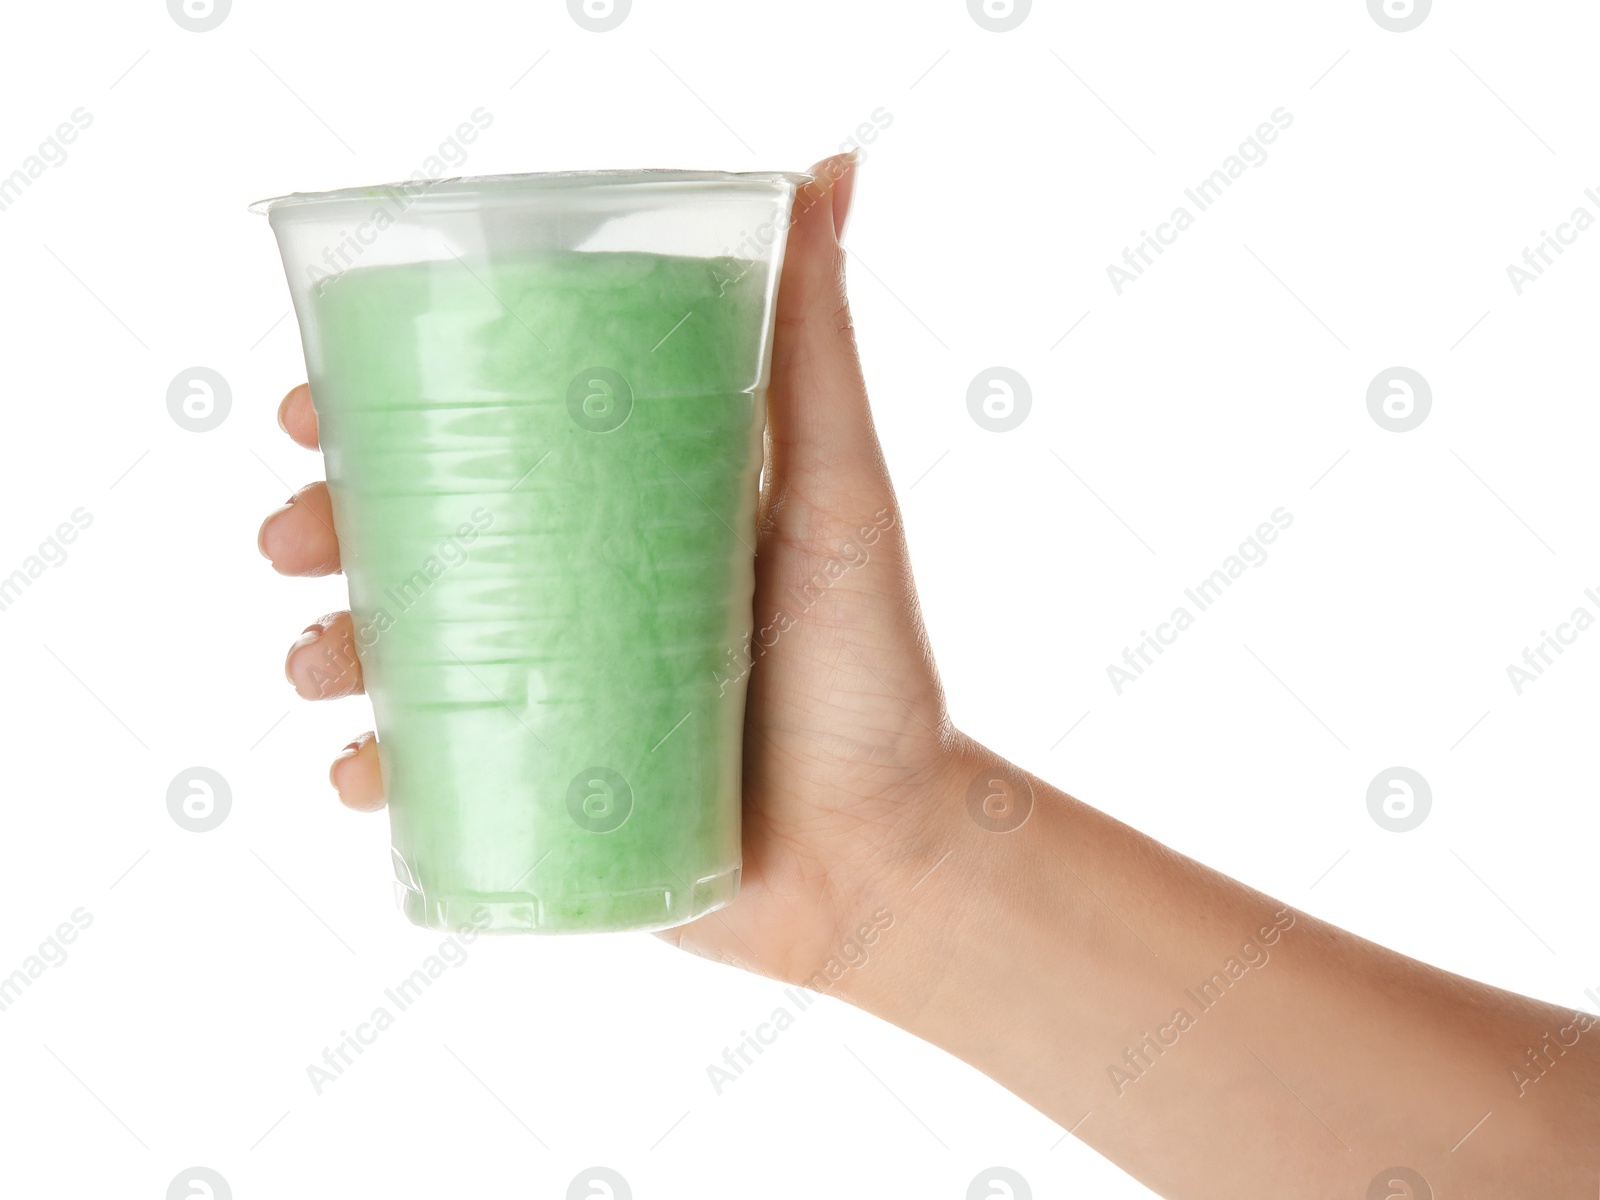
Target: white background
{"x": 1228, "y": 381}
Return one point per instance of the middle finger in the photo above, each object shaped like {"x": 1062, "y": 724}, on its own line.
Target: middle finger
{"x": 299, "y": 537}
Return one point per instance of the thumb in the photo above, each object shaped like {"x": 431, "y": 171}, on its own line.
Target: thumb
{"x": 817, "y": 411}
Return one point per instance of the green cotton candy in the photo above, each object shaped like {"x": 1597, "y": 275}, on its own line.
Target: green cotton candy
{"x": 544, "y": 469}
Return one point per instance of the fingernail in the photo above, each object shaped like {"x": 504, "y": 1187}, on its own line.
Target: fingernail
{"x": 261, "y": 538}
{"x": 347, "y": 753}
{"x": 844, "y": 191}
{"x": 308, "y": 638}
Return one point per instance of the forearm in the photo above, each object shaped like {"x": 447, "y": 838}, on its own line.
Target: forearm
{"x": 1203, "y": 1036}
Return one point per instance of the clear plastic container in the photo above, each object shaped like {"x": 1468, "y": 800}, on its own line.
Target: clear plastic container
{"x": 541, "y": 401}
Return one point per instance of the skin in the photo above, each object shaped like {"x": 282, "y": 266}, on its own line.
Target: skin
{"x": 1053, "y": 956}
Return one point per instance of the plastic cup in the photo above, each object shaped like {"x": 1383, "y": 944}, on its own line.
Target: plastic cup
{"x": 541, "y": 401}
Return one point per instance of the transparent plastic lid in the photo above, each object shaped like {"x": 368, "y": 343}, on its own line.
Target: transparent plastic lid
{"x": 482, "y": 187}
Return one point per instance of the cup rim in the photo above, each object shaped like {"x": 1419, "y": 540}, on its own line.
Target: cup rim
{"x": 457, "y": 186}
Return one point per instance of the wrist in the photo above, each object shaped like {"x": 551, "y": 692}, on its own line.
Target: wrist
{"x": 943, "y": 892}
{"x": 868, "y": 903}
{"x": 1015, "y": 943}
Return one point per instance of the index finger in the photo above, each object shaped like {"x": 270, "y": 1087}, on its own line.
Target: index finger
{"x": 297, "y": 418}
